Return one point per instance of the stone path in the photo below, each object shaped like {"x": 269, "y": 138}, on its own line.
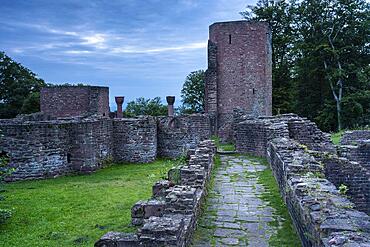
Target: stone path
{"x": 235, "y": 215}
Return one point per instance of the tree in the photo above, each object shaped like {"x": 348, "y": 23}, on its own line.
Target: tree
{"x": 336, "y": 34}
{"x": 192, "y": 92}
{"x": 142, "y": 106}
{"x": 321, "y": 50}
{"x": 18, "y": 85}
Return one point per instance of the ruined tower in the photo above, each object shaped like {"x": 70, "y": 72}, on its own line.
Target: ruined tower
{"x": 239, "y": 72}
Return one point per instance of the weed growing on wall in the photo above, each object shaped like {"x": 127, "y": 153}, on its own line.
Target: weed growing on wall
{"x": 5, "y": 214}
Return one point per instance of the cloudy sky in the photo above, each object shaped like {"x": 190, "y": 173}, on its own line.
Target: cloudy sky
{"x": 136, "y": 47}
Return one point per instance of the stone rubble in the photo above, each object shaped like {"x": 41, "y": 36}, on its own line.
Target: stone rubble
{"x": 170, "y": 217}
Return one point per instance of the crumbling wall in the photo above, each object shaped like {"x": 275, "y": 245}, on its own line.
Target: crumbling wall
{"x": 252, "y": 135}
{"x": 307, "y": 133}
{"x": 135, "y": 139}
{"x": 359, "y": 153}
{"x": 354, "y": 136}
{"x": 90, "y": 144}
{"x": 352, "y": 175}
{"x": 170, "y": 217}
{"x": 54, "y": 148}
{"x": 35, "y": 150}
{"x": 177, "y": 135}
{"x": 72, "y": 101}
{"x": 321, "y": 215}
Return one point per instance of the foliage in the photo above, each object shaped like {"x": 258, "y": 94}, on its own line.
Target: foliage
{"x": 5, "y": 214}
{"x": 279, "y": 15}
{"x": 142, "y": 106}
{"x": 320, "y": 59}
{"x": 18, "y": 86}
{"x": 336, "y": 137}
{"x": 286, "y": 233}
{"x": 192, "y": 92}
{"x": 343, "y": 189}
{"x": 73, "y": 210}
{"x": 222, "y": 146}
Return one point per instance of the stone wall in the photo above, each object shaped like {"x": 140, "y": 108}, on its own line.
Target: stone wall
{"x": 90, "y": 144}
{"x": 239, "y": 71}
{"x": 176, "y": 135}
{"x": 356, "y": 178}
{"x": 170, "y": 217}
{"x": 53, "y": 148}
{"x": 71, "y": 101}
{"x": 359, "y": 153}
{"x": 135, "y": 139}
{"x": 252, "y": 135}
{"x": 42, "y": 149}
{"x": 352, "y": 137}
{"x": 321, "y": 215}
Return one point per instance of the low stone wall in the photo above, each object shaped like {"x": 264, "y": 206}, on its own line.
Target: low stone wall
{"x": 36, "y": 150}
{"x": 54, "y": 148}
{"x": 45, "y": 149}
{"x": 176, "y": 135}
{"x": 252, "y": 135}
{"x": 307, "y": 133}
{"x": 354, "y": 136}
{"x": 169, "y": 218}
{"x": 356, "y": 178}
{"x": 135, "y": 139}
{"x": 321, "y": 215}
{"x": 359, "y": 153}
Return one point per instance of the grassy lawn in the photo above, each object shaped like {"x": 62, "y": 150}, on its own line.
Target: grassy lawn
{"x": 223, "y": 146}
{"x": 336, "y": 137}
{"x": 77, "y": 210}
{"x": 286, "y": 233}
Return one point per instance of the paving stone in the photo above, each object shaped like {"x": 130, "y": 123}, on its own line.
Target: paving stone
{"x": 230, "y": 241}
{"x": 242, "y": 217}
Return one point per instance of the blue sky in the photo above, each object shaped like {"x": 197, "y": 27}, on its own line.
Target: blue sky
{"x": 137, "y": 48}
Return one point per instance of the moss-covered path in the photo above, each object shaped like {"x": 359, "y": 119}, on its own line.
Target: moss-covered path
{"x": 244, "y": 208}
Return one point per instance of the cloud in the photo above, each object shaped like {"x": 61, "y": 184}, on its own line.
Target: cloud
{"x": 183, "y": 47}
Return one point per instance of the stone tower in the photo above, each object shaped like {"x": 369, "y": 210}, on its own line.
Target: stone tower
{"x": 239, "y": 72}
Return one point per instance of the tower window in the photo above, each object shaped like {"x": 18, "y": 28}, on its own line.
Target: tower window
{"x": 229, "y": 38}
{"x": 254, "y": 91}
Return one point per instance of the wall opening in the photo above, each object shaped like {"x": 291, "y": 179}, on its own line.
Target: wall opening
{"x": 69, "y": 156}
{"x": 229, "y": 38}
{"x": 254, "y": 91}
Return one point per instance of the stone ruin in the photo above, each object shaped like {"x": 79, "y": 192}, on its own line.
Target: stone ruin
{"x": 169, "y": 218}
{"x": 308, "y": 167}
{"x": 239, "y": 73}
{"x": 65, "y": 140}
{"x": 310, "y": 170}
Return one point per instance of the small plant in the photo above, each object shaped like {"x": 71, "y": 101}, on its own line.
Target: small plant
{"x": 5, "y": 214}
{"x": 343, "y": 189}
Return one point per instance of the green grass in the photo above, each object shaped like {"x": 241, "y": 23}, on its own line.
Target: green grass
{"x": 336, "y": 137}
{"x": 205, "y": 228}
{"x": 286, "y": 233}
{"x": 223, "y": 146}
{"x": 77, "y": 210}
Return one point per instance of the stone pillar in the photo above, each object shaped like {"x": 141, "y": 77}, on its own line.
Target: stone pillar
{"x": 119, "y": 102}
{"x": 170, "y": 102}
